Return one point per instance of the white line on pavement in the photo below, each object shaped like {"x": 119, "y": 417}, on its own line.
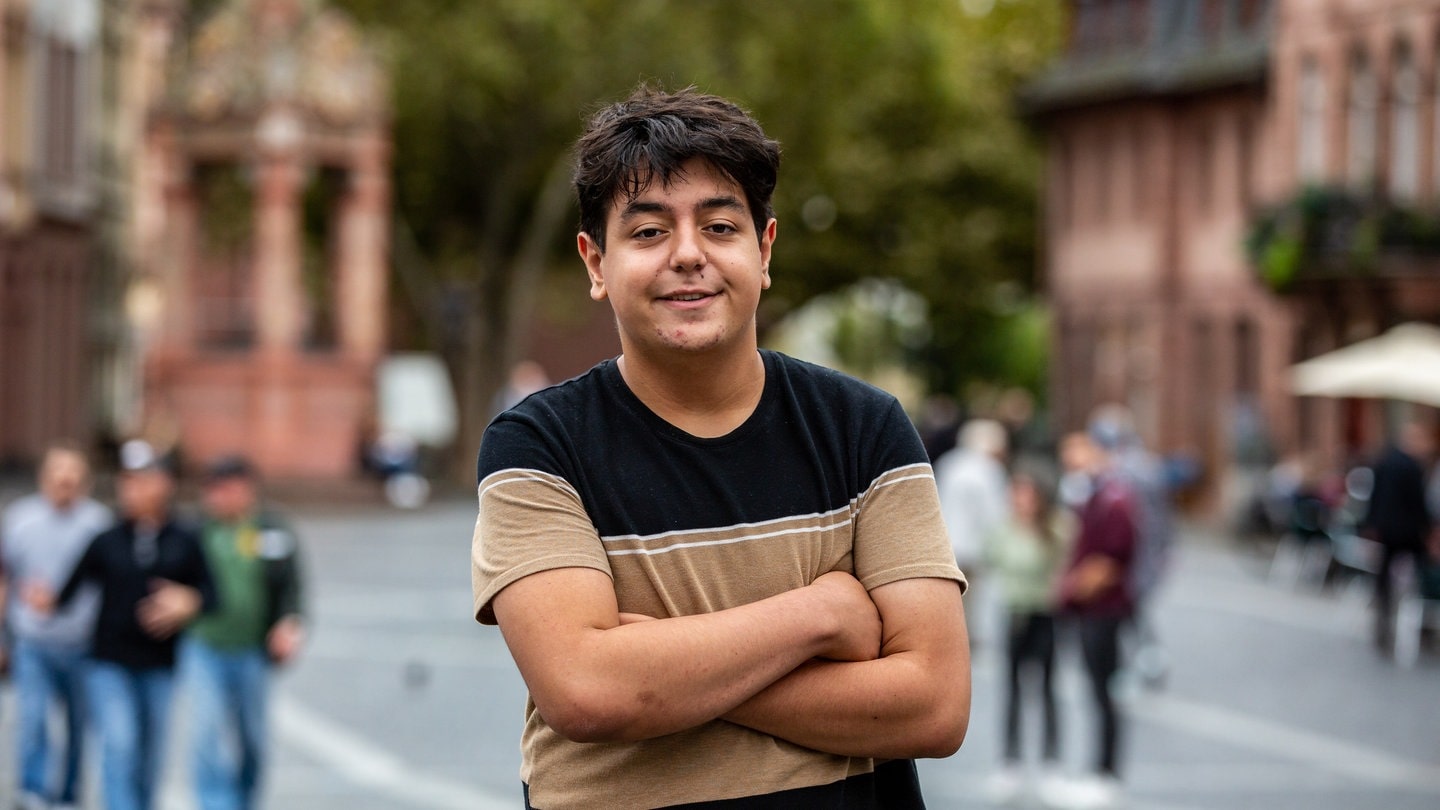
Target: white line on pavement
{"x": 1322, "y": 751}
{"x": 364, "y": 763}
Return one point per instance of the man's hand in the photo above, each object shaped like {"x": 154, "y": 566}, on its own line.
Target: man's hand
{"x": 169, "y": 607}
{"x": 38, "y": 596}
{"x": 859, "y": 619}
{"x": 285, "y": 639}
{"x": 912, "y": 701}
{"x": 1092, "y": 576}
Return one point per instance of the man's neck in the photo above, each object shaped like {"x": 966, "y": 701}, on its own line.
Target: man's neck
{"x": 237, "y": 519}
{"x": 148, "y": 523}
{"x": 703, "y": 396}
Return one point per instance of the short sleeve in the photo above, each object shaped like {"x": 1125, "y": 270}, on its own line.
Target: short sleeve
{"x": 899, "y": 531}
{"x": 530, "y": 518}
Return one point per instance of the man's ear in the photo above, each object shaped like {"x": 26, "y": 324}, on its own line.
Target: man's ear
{"x": 592, "y": 255}
{"x": 767, "y": 242}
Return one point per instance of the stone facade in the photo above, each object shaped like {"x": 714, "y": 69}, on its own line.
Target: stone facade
{"x": 1156, "y": 123}
{"x": 48, "y": 98}
{"x": 261, "y": 225}
{"x": 1171, "y": 128}
{"x": 1355, "y": 101}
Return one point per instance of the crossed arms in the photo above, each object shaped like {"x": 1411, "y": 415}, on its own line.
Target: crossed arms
{"x": 884, "y": 674}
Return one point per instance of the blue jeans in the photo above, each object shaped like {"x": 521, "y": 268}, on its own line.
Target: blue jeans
{"x": 227, "y": 690}
{"x": 131, "y": 710}
{"x": 46, "y": 675}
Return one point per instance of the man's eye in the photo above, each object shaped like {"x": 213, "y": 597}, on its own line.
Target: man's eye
{"x": 722, "y": 227}
{"x": 647, "y": 233}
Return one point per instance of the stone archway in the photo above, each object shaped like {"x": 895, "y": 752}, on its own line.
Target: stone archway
{"x": 269, "y": 259}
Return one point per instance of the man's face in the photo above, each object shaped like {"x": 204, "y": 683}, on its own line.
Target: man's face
{"x": 683, "y": 267}
{"x": 64, "y": 477}
{"x": 145, "y": 494}
{"x": 1078, "y": 453}
{"x": 230, "y": 498}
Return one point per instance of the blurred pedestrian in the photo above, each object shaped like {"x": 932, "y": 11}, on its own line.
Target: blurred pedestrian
{"x": 42, "y": 537}
{"x": 525, "y": 378}
{"x": 1112, "y": 427}
{"x": 227, "y": 655}
{"x": 1097, "y": 598}
{"x": 1025, "y": 557}
{"x": 1398, "y": 517}
{"x": 975, "y": 505}
{"x": 152, "y": 580}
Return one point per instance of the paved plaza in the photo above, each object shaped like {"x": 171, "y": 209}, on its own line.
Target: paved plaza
{"x": 1275, "y": 698}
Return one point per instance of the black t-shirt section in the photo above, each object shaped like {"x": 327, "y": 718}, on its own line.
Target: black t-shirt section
{"x": 814, "y": 441}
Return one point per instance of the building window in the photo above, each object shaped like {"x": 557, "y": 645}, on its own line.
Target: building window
{"x": 63, "y": 44}
{"x": 1139, "y": 189}
{"x": 1404, "y": 169}
{"x": 223, "y": 280}
{"x": 1204, "y": 163}
{"x": 1085, "y": 27}
{"x": 1361, "y": 111}
{"x": 1062, "y": 165}
{"x": 1435, "y": 128}
{"x": 1245, "y": 160}
{"x": 1104, "y": 173}
{"x": 1310, "y": 134}
{"x": 1123, "y": 166}
{"x": 60, "y": 159}
{"x": 1247, "y": 358}
{"x": 322, "y": 208}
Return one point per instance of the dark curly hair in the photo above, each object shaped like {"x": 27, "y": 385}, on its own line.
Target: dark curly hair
{"x": 650, "y": 135}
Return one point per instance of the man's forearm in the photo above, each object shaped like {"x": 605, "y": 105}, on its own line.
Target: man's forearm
{"x": 645, "y": 679}
{"x": 914, "y": 701}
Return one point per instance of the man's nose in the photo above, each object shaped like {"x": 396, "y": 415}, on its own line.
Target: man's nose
{"x": 688, "y": 253}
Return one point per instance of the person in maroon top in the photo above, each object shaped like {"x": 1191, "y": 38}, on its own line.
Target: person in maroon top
{"x": 1097, "y": 593}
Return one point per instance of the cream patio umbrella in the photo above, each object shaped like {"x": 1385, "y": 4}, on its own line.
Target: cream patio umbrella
{"x": 1402, "y": 364}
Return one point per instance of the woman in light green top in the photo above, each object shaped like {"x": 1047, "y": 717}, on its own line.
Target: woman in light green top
{"x": 1026, "y": 557}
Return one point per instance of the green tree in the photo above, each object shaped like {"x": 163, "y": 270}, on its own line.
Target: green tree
{"x": 902, "y": 157}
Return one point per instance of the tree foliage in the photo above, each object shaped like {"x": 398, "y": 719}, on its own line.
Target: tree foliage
{"x": 902, "y": 158}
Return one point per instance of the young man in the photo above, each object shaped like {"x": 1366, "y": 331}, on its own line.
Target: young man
{"x": 226, "y": 657}
{"x": 152, "y": 580}
{"x": 42, "y": 535}
{"x": 722, "y": 572}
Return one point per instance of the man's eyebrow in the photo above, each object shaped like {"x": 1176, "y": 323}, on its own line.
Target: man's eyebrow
{"x": 639, "y": 207}
{"x": 725, "y": 201}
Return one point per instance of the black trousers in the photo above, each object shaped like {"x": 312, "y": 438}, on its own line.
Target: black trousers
{"x": 1100, "y": 646}
{"x": 1032, "y": 653}
{"x": 1390, "y": 553}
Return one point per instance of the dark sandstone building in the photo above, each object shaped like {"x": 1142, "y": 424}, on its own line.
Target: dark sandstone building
{"x": 1228, "y": 190}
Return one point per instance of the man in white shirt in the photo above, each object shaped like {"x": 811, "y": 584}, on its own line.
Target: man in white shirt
{"x": 43, "y": 534}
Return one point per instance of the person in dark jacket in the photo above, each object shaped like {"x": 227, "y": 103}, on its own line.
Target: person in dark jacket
{"x": 227, "y": 656}
{"x": 153, "y": 581}
{"x": 1398, "y": 517}
{"x": 1097, "y": 596}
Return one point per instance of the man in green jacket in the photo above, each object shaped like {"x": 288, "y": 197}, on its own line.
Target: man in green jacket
{"x": 228, "y": 655}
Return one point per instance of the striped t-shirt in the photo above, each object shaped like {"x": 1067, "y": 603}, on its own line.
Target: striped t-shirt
{"x": 827, "y": 474}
